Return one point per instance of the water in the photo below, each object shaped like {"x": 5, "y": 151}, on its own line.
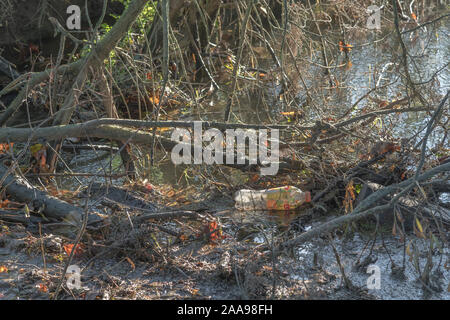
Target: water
{"x": 391, "y": 287}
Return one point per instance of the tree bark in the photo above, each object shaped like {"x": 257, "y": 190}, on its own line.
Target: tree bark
{"x": 94, "y": 60}
{"x": 53, "y": 208}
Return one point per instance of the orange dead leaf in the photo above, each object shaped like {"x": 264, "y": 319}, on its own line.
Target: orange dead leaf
{"x": 171, "y": 193}
{"x": 78, "y": 250}
{"x": 173, "y": 101}
{"x": 413, "y": 16}
{"x": 348, "y": 65}
{"x": 43, "y": 288}
{"x": 194, "y": 292}
{"x": 383, "y": 147}
{"x": 154, "y": 100}
{"x": 292, "y": 115}
{"x": 4, "y": 147}
{"x": 4, "y": 203}
{"x": 403, "y": 176}
{"x": 383, "y": 104}
{"x": 345, "y": 47}
{"x": 183, "y": 237}
{"x": 267, "y": 268}
{"x": 3, "y": 269}
{"x": 133, "y": 266}
{"x": 349, "y": 197}
{"x": 43, "y": 161}
{"x": 213, "y": 231}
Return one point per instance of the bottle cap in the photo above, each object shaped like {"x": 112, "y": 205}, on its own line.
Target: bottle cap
{"x": 307, "y": 196}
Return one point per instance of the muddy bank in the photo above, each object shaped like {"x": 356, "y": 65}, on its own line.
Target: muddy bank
{"x": 141, "y": 262}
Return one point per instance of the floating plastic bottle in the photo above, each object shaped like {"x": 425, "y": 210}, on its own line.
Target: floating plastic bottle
{"x": 282, "y": 198}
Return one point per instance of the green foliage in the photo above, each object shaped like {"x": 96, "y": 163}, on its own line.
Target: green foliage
{"x": 156, "y": 175}
{"x": 137, "y": 32}
{"x": 142, "y": 22}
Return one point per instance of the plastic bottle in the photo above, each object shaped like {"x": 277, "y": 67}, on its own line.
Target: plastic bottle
{"x": 282, "y": 198}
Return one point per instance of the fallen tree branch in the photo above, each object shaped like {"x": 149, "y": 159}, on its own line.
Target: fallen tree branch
{"x": 165, "y": 215}
{"x": 7, "y": 69}
{"x": 18, "y": 217}
{"x": 363, "y": 209}
{"x": 53, "y": 208}
{"x": 90, "y": 127}
{"x": 123, "y": 134}
{"x": 350, "y": 173}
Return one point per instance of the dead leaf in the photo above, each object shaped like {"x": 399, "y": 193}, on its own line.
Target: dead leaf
{"x": 408, "y": 249}
{"x": 213, "y": 231}
{"x": 78, "y": 250}
{"x": 133, "y": 266}
{"x": 349, "y": 197}
{"x": 345, "y": 47}
{"x": 43, "y": 288}
{"x": 4, "y": 147}
{"x": 419, "y": 225}
{"x": 348, "y": 65}
{"x": 400, "y": 217}
{"x": 171, "y": 193}
{"x": 4, "y": 203}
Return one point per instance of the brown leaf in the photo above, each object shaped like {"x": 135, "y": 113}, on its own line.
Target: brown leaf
{"x": 43, "y": 288}
{"x": 78, "y": 250}
{"x": 4, "y": 147}
{"x": 133, "y": 266}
